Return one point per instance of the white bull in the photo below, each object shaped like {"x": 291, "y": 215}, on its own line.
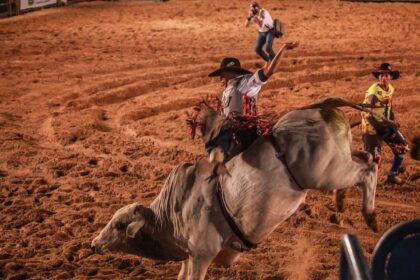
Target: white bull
{"x": 186, "y": 222}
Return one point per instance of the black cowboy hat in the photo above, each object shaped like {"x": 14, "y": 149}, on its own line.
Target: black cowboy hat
{"x": 229, "y": 64}
{"x": 386, "y": 68}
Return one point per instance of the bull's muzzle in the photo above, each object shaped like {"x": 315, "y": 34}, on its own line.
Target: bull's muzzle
{"x": 95, "y": 246}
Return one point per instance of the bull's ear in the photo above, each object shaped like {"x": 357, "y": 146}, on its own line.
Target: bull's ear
{"x": 134, "y": 227}
{"x": 142, "y": 212}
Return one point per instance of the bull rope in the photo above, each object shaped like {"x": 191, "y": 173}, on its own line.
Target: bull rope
{"x": 280, "y": 156}
{"x": 229, "y": 219}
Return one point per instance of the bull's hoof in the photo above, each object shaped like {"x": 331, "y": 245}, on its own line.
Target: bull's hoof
{"x": 237, "y": 246}
{"x": 391, "y": 180}
{"x": 371, "y": 221}
{"x": 401, "y": 170}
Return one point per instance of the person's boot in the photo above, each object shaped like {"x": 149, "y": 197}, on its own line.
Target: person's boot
{"x": 394, "y": 180}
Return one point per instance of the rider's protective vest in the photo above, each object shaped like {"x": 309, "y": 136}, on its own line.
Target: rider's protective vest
{"x": 383, "y": 104}
{"x": 249, "y": 107}
{"x": 235, "y": 102}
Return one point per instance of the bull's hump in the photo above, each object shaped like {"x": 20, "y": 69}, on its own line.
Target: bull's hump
{"x": 335, "y": 120}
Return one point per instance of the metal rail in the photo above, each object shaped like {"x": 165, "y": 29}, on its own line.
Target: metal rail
{"x": 353, "y": 264}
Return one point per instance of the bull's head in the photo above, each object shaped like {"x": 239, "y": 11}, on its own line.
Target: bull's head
{"x": 119, "y": 233}
{"x": 133, "y": 230}
{"x": 206, "y": 122}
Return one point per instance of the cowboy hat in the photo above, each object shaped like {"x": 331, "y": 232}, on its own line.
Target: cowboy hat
{"x": 386, "y": 68}
{"x": 229, "y": 64}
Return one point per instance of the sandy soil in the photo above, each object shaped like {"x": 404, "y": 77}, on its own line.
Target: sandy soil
{"x": 93, "y": 99}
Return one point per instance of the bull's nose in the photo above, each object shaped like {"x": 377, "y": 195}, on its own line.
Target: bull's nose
{"x": 93, "y": 246}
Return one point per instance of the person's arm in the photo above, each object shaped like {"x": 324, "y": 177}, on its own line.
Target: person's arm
{"x": 248, "y": 20}
{"x": 259, "y": 18}
{"x": 251, "y": 16}
{"x": 373, "y": 118}
{"x": 272, "y": 67}
{"x": 371, "y": 102}
{"x": 258, "y": 21}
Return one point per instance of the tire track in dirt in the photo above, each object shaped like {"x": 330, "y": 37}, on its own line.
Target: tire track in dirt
{"x": 135, "y": 91}
{"x": 135, "y": 76}
{"x": 149, "y": 112}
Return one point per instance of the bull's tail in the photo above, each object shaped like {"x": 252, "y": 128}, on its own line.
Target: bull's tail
{"x": 335, "y": 102}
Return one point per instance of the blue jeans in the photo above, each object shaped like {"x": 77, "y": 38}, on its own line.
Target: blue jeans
{"x": 267, "y": 39}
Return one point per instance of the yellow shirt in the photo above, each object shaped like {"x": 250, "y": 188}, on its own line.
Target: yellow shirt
{"x": 382, "y": 99}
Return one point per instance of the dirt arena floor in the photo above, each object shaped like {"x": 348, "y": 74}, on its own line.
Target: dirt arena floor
{"x": 93, "y": 102}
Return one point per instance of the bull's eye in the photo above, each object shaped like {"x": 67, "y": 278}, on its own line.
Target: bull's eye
{"x": 120, "y": 226}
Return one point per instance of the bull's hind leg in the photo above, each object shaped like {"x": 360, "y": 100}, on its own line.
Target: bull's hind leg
{"x": 367, "y": 181}
{"x": 362, "y": 173}
{"x": 340, "y": 194}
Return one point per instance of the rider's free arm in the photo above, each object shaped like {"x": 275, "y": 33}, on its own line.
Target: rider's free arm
{"x": 272, "y": 67}
{"x": 251, "y": 83}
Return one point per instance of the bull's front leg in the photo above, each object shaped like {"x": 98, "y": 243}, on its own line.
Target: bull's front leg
{"x": 203, "y": 250}
{"x": 204, "y": 245}
{"x": 197, "y": 267}
{"x": 183, "y": 273}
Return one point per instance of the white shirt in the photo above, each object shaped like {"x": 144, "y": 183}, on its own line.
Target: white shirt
{"x": 267, "y": 23}
{"x": 248, "y": 84}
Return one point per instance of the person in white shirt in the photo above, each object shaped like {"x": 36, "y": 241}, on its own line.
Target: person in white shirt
{"x": 241, "y": 89}
{"x": 264, "y": 22}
